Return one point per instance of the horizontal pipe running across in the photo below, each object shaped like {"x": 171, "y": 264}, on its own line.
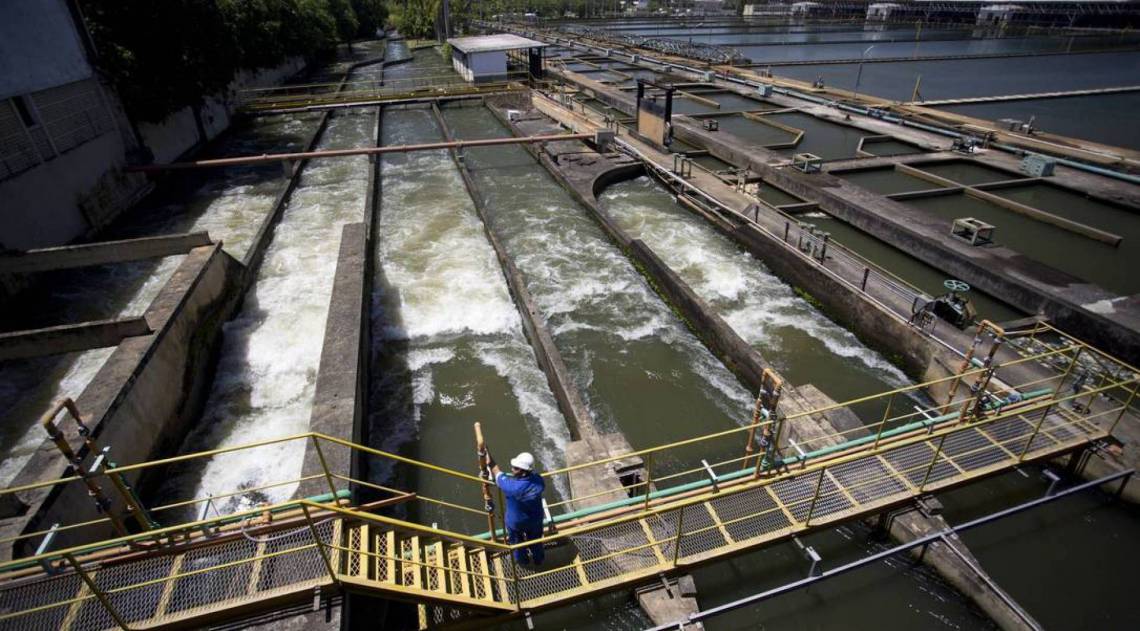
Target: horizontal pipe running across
{"x": 361, "y": 151}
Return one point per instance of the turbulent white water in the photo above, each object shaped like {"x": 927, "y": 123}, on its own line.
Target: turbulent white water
{"x": 758, "y": 305}
{"x": 271, "y": 350}
{"x": 229, "y": 205}
{"x": 442, "y": 309}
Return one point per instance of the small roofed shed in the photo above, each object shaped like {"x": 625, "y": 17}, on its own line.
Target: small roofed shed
{"x": 483, "y": 59}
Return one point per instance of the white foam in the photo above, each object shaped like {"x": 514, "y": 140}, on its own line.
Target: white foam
{"x": 267, "y": 370}
{"x": 753, "y": 301}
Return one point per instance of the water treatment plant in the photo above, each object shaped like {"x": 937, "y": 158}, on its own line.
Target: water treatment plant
{"x": 790, "y": 314}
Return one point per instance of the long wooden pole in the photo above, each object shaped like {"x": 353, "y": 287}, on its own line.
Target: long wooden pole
{"x": 485, "y": 473}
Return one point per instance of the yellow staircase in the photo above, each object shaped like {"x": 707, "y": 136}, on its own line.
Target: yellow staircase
{"x": 425, "y": 569}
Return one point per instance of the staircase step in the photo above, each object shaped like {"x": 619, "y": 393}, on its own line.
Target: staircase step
{"x": 481, "y": 584}
{"x": 461, "y": 562}
{"x": 436, "y": 574}
{"x": 386, "y": 547}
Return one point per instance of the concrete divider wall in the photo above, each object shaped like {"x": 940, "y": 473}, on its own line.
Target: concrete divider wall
{"x": 738, "y": 355}
{"x": 743, "y": 360}
{"x": 341, "y": 394}
{"x": 340, "y": 399}
{"x": 144, "y": 398}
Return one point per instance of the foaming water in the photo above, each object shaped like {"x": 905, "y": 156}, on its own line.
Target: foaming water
{"x": 642, "y": 372}
{"x": 229, "y": 204}
{"x": 789, "y": 332}
{"x": 449, "y": 348}
{"x": 28, "y": 388}
{"x": 267, "y": 368}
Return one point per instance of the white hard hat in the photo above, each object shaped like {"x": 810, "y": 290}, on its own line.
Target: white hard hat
{"x": 523, "y": 461}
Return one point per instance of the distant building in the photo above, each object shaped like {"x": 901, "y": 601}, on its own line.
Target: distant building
{"x": 483, "y": 59}
{"x": 63, "y": 137}
{"x": 998, "y": 14}
{"x": 881, "y": 11}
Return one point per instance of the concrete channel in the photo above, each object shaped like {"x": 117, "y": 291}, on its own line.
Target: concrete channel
{"x": 185, "y": 321}
{"x": 585, "y": 175}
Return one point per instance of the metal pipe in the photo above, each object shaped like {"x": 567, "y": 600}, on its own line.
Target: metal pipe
{"x": 885, "y": 554}
{"x": 362, "y": 151}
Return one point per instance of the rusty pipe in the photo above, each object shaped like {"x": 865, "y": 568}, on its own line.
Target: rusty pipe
{"x": 339, "y": 153}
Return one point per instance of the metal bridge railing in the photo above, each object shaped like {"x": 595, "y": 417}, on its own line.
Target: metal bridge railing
{"x": 1050, "y": 365}
{"x": 701, "y": 498}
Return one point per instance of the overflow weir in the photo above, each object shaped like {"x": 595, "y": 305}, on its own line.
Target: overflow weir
{"x": 528, "y": 255}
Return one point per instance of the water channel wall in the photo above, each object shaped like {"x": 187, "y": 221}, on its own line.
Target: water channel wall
{"x": 128, "y": 404}
{"x": 147, "y": 394}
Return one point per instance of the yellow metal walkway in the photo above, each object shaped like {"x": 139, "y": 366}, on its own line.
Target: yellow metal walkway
{"x": 266, "y": 557}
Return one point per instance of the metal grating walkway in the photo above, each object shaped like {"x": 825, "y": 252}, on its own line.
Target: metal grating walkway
{"x": 212, "y": 579}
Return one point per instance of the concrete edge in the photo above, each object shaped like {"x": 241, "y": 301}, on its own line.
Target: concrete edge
{"x": 69, "y": 338}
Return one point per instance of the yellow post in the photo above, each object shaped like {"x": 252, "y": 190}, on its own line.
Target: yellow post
{"x": 914, "y": 94}
{"x": 933, "y": 461}
{"x": 1127, "y": 404}
{"x": 325, "y": 467}
{"x": 320, "y": 544}
{"x": 99, "y": 594}
{"x": 883, "y": 423}
{"x": 677, "y": 539}
{"x": 815, "y": 497}
{"x": 1045, "y": 412}
{"x": 648, "y": 477}
{"x": 752, "y": 428}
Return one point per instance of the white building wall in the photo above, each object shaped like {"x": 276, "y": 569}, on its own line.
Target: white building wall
{"x": 488, "y": 66}
{"x": 39, "y": 47}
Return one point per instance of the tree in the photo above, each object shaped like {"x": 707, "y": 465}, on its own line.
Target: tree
{"x": 345, "y": 17}
{"x": 372, "y": 14}
{"x": 166, "y": 55}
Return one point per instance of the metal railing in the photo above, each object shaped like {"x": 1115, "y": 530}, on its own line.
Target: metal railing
{"x": 700, "y": 498}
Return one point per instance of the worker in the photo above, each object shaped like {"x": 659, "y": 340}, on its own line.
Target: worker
{"x": 522, "y": 488}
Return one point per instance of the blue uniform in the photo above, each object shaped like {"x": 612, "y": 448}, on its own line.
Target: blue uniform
{"x": 524, "y": 512}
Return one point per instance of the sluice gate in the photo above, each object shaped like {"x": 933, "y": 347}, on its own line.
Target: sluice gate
{"x": 751, "y": 489}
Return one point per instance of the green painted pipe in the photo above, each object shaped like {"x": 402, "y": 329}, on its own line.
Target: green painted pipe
{"x": 735, "y": 475}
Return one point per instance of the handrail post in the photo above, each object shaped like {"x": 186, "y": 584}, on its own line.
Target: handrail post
{"x": 99, "y": 594}
{"x": 1049, "y": 407}
{"x": 1127, "y": 404}
{"x": 933, "y": 461}
{"x": 515, "y": 579}
{"x": 320, "y": 544}
{"x": 883, "y": 423}
{"x": 815, "y": 497}
{"x": 325, "y": 467}
{"x": 677, "y": 539}
{"x": 648, "y": 478}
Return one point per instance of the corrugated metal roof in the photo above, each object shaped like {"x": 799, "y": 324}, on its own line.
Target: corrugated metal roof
{"x": 488, "y": 43}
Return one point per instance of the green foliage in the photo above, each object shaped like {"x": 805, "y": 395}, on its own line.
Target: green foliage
{"x": 372, "y": 14}
{"x": 415, "y": 18}
{"x": 345, "y": 18}
{"x": 165, "y": 55}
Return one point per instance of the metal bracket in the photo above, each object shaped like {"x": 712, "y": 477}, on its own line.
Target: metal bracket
{"x": 712, "y": 475}
{"x": 44, "y": 546}
{"x": 1054, "y": 480}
